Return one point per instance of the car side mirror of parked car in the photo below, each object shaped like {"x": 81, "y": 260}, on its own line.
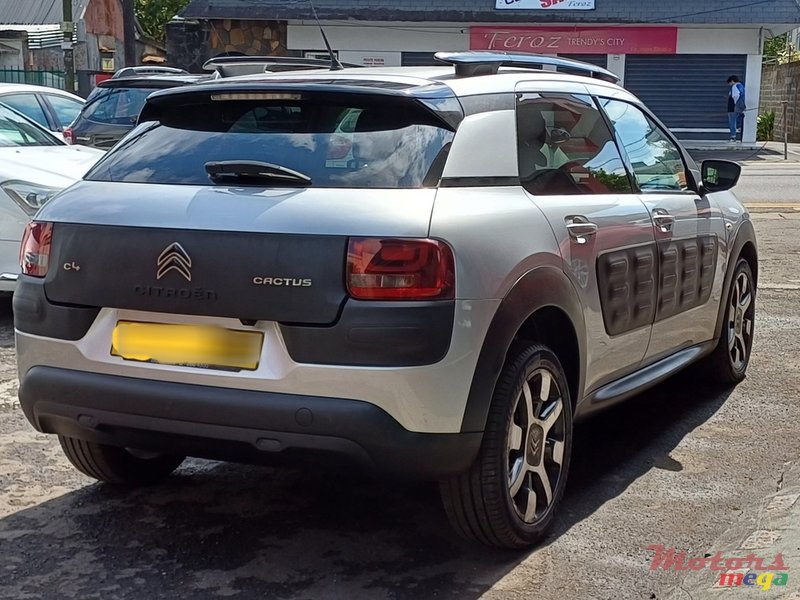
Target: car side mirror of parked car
{"x": 720, "y": 175}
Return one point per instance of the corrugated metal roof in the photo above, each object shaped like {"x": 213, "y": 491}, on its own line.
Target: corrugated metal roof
{"x": 733, "y": 12}
{"x": 37, "y": 12}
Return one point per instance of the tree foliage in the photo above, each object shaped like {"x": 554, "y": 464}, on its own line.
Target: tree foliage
{"x": 778, "y": 50}
{"x": 153, "y": 15}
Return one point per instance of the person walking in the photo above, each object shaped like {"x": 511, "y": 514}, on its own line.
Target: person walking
{"x": 736, "y": 106}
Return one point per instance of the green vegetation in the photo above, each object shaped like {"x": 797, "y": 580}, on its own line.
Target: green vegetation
{"x": 765, "y": 129}
{"x": 778, "y": 50}
{"x": 153, "y": 15}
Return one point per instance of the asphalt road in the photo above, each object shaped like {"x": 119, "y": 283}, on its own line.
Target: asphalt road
{"x": 676, "y": 466}
{"x": 766, "y": 177}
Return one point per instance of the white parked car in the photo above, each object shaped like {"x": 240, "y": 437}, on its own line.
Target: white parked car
{"x": 51, "y": 108}
{"x": 34, "y": 166}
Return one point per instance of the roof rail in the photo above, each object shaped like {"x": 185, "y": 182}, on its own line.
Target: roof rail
{"x": 148, "y": 70}
{"x": 471, "y": 64}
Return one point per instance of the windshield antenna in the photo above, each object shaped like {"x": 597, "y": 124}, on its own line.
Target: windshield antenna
{"x": 335, "y": 64}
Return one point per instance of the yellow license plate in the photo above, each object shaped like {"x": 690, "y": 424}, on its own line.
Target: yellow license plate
{"x": 187, "y": 345}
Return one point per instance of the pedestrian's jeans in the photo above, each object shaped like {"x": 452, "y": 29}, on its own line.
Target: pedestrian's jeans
{"x": 734, "y": 122}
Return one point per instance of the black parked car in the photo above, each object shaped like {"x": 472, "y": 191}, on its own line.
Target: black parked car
{"x": 113, "y": 106}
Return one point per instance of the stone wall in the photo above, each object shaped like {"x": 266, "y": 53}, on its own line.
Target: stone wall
{"x": 192, "y": 42}
{"x": 188, "y": 44}
{"x": 779, "y": 83}
{"x": 254, "y": 38}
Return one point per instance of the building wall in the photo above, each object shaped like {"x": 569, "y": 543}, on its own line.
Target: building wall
{"x": 781, "y": 83}
{"x": 254, "y": 38}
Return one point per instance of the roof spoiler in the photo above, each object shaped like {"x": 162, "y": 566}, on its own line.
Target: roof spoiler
{"x": 472, "y": 64}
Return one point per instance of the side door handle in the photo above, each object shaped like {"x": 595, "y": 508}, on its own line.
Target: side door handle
{"x": 663, "y": 220}
{"x": 580, "y": 228}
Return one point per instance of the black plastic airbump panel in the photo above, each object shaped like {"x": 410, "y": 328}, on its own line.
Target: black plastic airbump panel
{"x": 627, "y": 281}
{"x": 686, "y": 273}
{"x": 390, "y": 334}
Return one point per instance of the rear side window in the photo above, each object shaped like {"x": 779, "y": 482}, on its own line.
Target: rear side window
{"x": 66, "y": 109}
{"x": 566, "y": 148}
{"x": 117, "y": 106}
{"x": 330, "y": 142}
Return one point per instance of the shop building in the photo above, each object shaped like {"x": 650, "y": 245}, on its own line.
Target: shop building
{"x": 675, "y": 54}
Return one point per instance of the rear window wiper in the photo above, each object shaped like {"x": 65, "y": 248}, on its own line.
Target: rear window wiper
{"x": 255, "y": 170}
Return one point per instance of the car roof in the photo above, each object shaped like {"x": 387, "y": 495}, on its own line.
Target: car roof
{"x": 403, "y": 81}
{"x": 14, "y": 88}
{"x": 469, "y": 73}
{"x": 153, "y": 81}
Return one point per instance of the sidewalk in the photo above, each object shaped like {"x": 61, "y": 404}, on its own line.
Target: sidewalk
{"x": 759, "y": 153}
{"x": 766, "y": 531}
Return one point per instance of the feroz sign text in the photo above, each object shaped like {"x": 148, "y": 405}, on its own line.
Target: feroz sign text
{"x": 576, "y": 40}
{"x": 545, "y": 4}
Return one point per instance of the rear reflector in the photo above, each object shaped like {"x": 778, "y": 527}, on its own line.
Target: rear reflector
{"x": 400, "y": 269}
{"x": 34, "y": 252}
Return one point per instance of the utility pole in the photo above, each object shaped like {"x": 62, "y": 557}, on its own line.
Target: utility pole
{"x": 68, "y": 27}
{"x": 129, "y": 31}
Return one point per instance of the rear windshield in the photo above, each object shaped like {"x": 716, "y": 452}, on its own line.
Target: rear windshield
{"x": 391, "y": 143}
{"x": 116, "y": 106}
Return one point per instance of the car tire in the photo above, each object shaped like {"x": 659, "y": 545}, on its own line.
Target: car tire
{"x": 509, "y": 496}
{"x": 118, "y": 465}
{"x": 728, "y": 363}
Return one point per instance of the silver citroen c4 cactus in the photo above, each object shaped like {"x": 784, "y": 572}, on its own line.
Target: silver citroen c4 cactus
{"x": 431, "y": 271}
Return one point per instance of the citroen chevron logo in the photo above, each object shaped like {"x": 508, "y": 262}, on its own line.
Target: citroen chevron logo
{"x": 174, "y": 258}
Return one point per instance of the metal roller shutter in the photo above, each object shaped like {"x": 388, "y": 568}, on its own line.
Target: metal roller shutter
{"x": 419, "y": 59}
{"x": 686, "y": 91}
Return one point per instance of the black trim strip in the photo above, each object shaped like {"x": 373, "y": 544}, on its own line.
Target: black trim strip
{"x": 488, "y": 181}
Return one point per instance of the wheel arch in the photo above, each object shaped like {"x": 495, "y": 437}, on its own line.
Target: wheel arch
{"x": 744, "y": 246}
{"x": 542, "y": 306}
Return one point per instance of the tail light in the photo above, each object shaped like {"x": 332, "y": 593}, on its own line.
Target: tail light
{"x": 400, "y": 269}
{"x": 69, "y": 136}
{"x": 34, "y": 253}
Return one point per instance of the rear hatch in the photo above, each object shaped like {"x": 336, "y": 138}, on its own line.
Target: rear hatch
{"x": 241, "y": 205}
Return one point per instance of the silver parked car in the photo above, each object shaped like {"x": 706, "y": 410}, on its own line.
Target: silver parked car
{"x": 432, "y": 271}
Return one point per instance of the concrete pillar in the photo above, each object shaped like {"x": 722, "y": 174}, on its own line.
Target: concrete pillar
{"x": 616, "y": 64}
{"x": 752, "y": 94}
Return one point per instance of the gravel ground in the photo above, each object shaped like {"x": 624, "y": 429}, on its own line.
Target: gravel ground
{"x": 677, "y": 466}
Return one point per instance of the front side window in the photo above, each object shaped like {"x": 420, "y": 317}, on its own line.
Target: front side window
{"x": 656, "y": 161}
{"x": 566, "y": 148}
{"x": 28, "y": 105}
{"x": 325, "y": 141}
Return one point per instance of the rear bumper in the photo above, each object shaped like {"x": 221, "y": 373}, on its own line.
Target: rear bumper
{"x": 233, "y": 424}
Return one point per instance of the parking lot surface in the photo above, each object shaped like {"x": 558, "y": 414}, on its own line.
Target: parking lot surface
{"x": 679, "y": 466}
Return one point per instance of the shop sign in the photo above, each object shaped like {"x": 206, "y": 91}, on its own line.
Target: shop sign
{"x": 576, "y": 40}
{"x": 545, "y": 4}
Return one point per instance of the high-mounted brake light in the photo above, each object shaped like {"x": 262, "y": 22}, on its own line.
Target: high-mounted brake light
{"x": 400, "y": 269}
{"x": 34, "y": 253}
{"x": 253, "y": 96}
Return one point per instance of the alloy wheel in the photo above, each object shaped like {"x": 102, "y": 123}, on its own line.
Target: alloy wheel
{"x": 741, "y": 312}
{"x": 536, "y": 444}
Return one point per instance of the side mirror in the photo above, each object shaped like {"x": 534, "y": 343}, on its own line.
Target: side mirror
{"x": 720, "y": 175}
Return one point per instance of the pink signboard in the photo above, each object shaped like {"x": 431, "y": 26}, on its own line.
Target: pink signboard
{"x": 576, "y": 40}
